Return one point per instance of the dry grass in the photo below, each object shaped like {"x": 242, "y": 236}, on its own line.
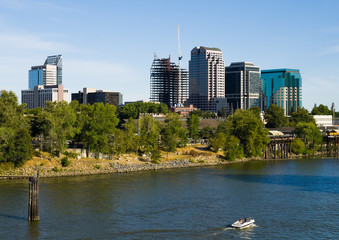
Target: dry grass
{"x": 193, "y": 153}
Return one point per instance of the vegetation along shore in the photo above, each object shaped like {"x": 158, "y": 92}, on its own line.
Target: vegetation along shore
{"x": 65, "y": 139}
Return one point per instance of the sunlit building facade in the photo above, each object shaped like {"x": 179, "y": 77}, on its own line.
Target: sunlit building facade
{"x": 207, "y": 79}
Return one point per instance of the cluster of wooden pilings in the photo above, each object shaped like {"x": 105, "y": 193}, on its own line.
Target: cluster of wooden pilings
{"x": 279, "y": 147}
{"x": 33, "y": 199}
{"x": 330, "y": 145}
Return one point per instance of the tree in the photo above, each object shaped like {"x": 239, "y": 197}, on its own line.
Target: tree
{"x": 98, "y": 125}
{"x": 222, "y": 112}
{"x": 275, "y": 117}
{"x": 148, "y": 134}
{"x": 133, "y": 110}
{"x": 250, "y": 130}
{"x": 131, "y": 137}
{"x": 15, "y": 140}
{"x": 40, "y": 125}
{"x": 256, "y": 110}
{"x": 62, "y": 120}
{"x": 203, "y": 114}
{"x": 173, "y": 135}
{"x": 301, "y": 115}
{"x": 218, "y": 141}
{"x": 118, "y": 142}
{"x": 193, "y": 123}
{"x": 321, "y": 110}
{"x": 233, "y": 148}
{"x": 297, "y": 146}
{"x": 23, "y": 146}
{"x": 309, "y": 133}
{"x": 206, "y": 133}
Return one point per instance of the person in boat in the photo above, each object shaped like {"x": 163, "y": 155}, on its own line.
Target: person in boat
{"x": 245, "y": 219}
{"x": 240, "y": 220}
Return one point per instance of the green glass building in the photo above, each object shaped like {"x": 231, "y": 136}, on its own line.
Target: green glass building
{"x": 282, "y": 87}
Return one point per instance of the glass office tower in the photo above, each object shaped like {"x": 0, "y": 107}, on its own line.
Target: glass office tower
{"x": 242, "y": 85}
{"x": 35, "y": 77}
{"x": 48, "y": 74}
{"x": 282, "y": 87}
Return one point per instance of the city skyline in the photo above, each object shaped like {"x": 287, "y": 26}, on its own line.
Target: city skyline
{"x": 111, "y": 45}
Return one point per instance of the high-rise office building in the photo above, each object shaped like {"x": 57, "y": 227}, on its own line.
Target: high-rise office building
{"x": 282, "y": 87}
{"x": 45, "y": 84}
{"x": 242, "y": 85}
{"x": 169, "y": 84}
{"x": 91, "y": 96}
{"x": 48, "y": 74}
{"x": 207, "y": 79}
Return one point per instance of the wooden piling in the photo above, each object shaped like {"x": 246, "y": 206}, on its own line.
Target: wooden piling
{"x": 33, "y": 199}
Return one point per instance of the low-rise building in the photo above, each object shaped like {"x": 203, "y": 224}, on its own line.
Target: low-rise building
{"x": 323, "y": 120}
{"x": 185, "y": 110}
{"x": 91, "y": 96}
{"x": 39, "y": 95}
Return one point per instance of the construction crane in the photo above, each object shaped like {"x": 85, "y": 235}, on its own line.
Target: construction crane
{"x": 179, "y": 58}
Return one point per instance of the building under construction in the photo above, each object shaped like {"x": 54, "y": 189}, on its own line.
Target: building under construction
{"x": 169, "y": 83}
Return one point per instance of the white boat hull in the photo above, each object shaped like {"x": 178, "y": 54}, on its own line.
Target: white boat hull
{"x": 246, "y": 224}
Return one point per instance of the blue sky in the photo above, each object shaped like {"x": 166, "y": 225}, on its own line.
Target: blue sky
{"x": 111, "y": 44}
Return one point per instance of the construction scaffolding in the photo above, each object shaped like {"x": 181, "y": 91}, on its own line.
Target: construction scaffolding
{"x": 169, "y": 83}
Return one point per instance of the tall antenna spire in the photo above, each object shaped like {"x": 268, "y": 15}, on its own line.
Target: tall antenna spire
{"x": 179, "y": 58}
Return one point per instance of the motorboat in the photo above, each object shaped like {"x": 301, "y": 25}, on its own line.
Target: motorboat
{"x": 243, "y": 223}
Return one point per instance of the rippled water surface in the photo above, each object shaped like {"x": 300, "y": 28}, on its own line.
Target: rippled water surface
{"x": 295, "y": 199}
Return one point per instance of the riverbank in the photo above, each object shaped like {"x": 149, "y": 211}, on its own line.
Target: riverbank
{"x": 192, "y": 156}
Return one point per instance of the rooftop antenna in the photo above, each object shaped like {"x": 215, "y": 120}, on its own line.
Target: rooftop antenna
{"x": 179, "y": 58}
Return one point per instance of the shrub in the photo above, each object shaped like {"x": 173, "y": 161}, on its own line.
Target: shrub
{"x": 6, "y": 166}
{"x": 65, "y": 162}
{"x": 97, "y": 167}
{"x": 56, "y": 169}
{"x": 194, "y": 153}
{"x": 37, "y": 153}
{"x": 155, "y": 156}
{"x": 71, "y": 154}
{"x": 298, "y": 146}
{"x": 233, "y": 149}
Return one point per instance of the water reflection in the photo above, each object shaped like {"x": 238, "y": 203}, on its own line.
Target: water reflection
{"x": 33, "y": 230}
{"x": 13, "y": 217}
{"x": 305, "y": 183}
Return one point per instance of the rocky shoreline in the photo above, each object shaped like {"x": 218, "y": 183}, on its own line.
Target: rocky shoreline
{"x": 115, "y": 167}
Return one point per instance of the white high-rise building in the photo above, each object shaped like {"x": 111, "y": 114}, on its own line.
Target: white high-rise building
{"x": 207, "y": 79}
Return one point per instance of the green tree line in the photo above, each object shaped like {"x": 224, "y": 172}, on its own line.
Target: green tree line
{"x": 100, "y": 128}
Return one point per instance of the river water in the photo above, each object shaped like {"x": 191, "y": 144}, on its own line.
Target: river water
{"x": 293, "y": 199}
